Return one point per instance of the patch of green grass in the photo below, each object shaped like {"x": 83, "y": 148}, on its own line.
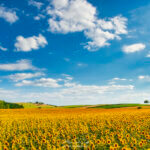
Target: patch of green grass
{"x": 110, "y": 106}
{"x": 33, "y": 105}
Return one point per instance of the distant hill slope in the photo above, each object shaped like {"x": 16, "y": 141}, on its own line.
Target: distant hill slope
{"x": 107, "y": 106}
{"x": 34, "y": 105}
{"x": 6, "y": 105}
{"x": 75, "y": 106}
{"x": 110, "y": 106}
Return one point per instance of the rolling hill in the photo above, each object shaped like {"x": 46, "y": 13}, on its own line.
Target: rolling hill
{"x": 6, "y": 105}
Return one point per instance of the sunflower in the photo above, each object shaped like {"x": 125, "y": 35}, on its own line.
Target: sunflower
{"x": 116, "y": 145}
{"x": 108, "y": 141}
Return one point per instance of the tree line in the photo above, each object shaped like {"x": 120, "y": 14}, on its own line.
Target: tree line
{"x": 6, "y": 105}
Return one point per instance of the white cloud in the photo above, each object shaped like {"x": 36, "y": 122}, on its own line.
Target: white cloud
{"x": 119, "y": 24}
{"x": 133, "y": 48}
{"x": 63, "y": 97}
{"x": 121, "y": 79}
{"x": 3, "y": 48}
{"x": 144, "y": 78}
{"x": 35, "y": 4}
{"x": 114, "y": 80}
{"x": 39, "y": 16}
{"x": 21, "y": 76}
{"x": 20, "y": 65}
{"x": 69, "y": 78}
{"x": 74, "y": 93}
{"x": 27, "y": 44}
{"x": 99, "y": 38}
{"x": 104, "y": 31}
{"x": 79, "y": 15}
{"x": 81, "y": 65}
{"x": 99, "y": 89}
{"x": 65, "y": 91}
{"x": 141, "y": 77}
{"x": 8, "y": 14}
{"x": 42, "y": 82}
{"x": 76, "y": 15}
{"x": 148, "y": 55}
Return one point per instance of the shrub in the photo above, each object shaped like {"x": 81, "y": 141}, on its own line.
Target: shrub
{"x": 139, "y": 107}
{"x": 146, "y": 101}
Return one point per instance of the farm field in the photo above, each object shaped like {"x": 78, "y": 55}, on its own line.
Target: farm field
{"x": 33, "y": 105}
{"x": 78, "y": 128}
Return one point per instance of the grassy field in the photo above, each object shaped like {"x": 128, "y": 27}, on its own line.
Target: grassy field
{"x": 106, "y": 106}
{"x": 33, "y": 105}
{"x": 110, "y": 106}
{"x": 74, "y": 106}
{"x": 26, "y": 105}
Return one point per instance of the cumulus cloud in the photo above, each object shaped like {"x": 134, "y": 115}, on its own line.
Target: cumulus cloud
{"x": 133, "y": 48}
{"x": 74, "y": 15}
{"x": 19, "y": 65}
{"x": 79, "y": 15}
{"x": 104, "y": 31}
{"x": 35, "y": 4}
{"x": 30, "y": 43}
{"x": 42, "y": 82}
{"x": 8, "y": 14}
{"x": 21, "y": 76}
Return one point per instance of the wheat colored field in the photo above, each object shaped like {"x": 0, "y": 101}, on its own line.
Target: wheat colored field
{"x": 64, "y": 129}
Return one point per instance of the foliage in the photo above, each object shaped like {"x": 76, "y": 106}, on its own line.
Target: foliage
{"x": 39, "y": 102}
{"x": 146, "y": 101}
{"x": 6, "y": 105}
{"x": 139, "y": 107}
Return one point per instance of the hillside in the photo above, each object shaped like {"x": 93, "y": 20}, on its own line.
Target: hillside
{"x": 34, "y": 105}
{"x": 108, "y": 106}
{"x": 6, "y": 105}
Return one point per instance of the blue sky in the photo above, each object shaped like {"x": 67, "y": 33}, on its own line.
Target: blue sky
{"x": 67, "y": 52}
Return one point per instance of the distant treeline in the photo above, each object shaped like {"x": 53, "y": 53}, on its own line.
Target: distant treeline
{"x": 6, "y": 105}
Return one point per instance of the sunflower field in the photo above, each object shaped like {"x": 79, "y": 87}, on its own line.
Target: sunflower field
{"x": 75, "y": 129}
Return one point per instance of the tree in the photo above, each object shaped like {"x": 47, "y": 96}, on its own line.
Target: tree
{"x": 146, "y": 101}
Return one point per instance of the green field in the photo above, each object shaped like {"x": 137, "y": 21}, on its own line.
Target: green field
{"x": 74, "y": 106}
{"x": 33, "y": 105}
{"x": 26, "y": 105}
{"x": 110, "y": 106}
{"x": 104, "y": 106}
